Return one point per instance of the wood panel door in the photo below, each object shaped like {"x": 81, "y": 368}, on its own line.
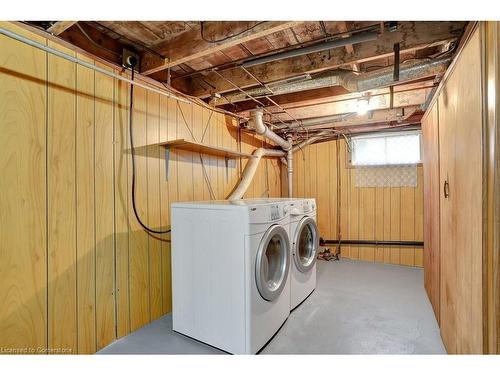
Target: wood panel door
{"x": 468, "y": 199}
{"x": 430, "y": 135}
{"x": 460, "y": 149}
{"x": 448, "y": 257}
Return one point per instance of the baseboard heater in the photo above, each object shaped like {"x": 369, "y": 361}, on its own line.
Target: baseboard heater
{"x": 371, "y": 242}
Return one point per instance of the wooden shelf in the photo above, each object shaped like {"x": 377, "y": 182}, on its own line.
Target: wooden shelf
{"x": 193, "y": 146}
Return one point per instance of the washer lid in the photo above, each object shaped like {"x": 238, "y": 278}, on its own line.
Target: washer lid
{"x": 272, "y": 263}
{"x": 305, "y": 244}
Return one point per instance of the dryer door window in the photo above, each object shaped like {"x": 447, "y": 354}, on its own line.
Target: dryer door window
{"x": 306, "y": 243}
{"x": 272, "y": 263}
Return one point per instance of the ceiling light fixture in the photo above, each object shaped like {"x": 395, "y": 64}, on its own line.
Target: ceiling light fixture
{"x": 363, "y": 105}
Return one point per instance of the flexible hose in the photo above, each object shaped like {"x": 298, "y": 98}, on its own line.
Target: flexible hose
{"x": 132, "y": 151}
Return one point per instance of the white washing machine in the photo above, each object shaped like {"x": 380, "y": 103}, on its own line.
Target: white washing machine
{"x": 304, "y": 235}
{"x": 230, "y": 271}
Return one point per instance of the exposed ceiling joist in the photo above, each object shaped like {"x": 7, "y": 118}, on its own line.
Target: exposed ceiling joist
{"x": 372, "y": 117}
{"x": 342, "y": 28}
{"x": 323, "y": 96}
{"x": 411, "y": 36}
{"x": 378, "y": 102}
{"x": 60, "y": 26}
{"x": 192, "y": 45}
{"x": 413, "y": 122}
{"x": 95, "y": 42}
{"x": 304, "y": 101}
{"x": 352, "y": 82}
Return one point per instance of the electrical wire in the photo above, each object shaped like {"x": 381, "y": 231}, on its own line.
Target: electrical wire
{"x": 195, "y": 100}
{"x": 227, "y": 37}
{"x": 207, "y": 180}
{"x": 206, "y": 126}
{"x": 132, "y": 151}
{"x": 95, "y": 43}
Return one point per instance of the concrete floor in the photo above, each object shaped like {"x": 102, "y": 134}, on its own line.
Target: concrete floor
{"x": 357, "y": 308}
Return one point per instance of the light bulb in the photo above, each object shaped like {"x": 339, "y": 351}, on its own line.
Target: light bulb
{"x": 362, "y": 106}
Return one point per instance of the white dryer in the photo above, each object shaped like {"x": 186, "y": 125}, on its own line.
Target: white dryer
{"x": 230, "y": 271}
{"x": 305, "y": 243}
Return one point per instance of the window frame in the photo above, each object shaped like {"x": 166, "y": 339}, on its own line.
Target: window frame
{"x": 385, "y": 134}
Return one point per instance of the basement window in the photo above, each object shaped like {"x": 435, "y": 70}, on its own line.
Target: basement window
{"x": 386, "y": 149}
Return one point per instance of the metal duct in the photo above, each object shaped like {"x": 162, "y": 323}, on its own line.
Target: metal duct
{"x": 328, "y": 79}
{"x": 408, "y": 71}
{"x": 351, "y": 81}
{"x": 341, "y": 42}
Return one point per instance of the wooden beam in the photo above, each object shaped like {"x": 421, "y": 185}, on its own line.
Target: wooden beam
{"x": 104, "y": 46}
{"x": 373, "y": 117}
{"x": 99, "y": 44}
{"x": 342, "y": 28}
{"x": 411, "y": 36}
{"x": 322, "y": 96}
{"x": 413, "y": 121}
{"x": 381, "y": 101}
{"x": 191, "y": 45}
{"x": 60, "y": 26}
{"x": 284, "y": 99}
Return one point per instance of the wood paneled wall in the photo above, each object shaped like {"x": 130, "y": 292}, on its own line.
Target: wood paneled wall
{"x": 76, "y": 269}
{"x": 458, "y": 114}
{"x": 491, "y": 255}
{"x": 365, "y": 213}
{"x": 432, "y": 193}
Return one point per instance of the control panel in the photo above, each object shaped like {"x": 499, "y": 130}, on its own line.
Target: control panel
{"x": 278, "y": 211}
{"x": 268, "y": 213}
{"x": 275, "y": 212}
{"x": 303, "y": 207}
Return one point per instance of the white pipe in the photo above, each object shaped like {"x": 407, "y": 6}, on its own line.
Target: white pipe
{"x": 275, "y": 153}
{"x": 263, "y": 130}
{"x": 250, "y": 169}
{"x": 289, "y": 164}
{"x": 253, "y": 163}
{"x": 259, "y": 125}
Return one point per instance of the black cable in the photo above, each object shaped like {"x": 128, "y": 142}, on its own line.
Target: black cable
{"x": 94, "y": 42}
{"x": 132, "y": 151}
{"x": 227, "y": 37}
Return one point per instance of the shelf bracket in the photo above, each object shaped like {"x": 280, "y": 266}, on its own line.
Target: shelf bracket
{"x": 167, "y": 160}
